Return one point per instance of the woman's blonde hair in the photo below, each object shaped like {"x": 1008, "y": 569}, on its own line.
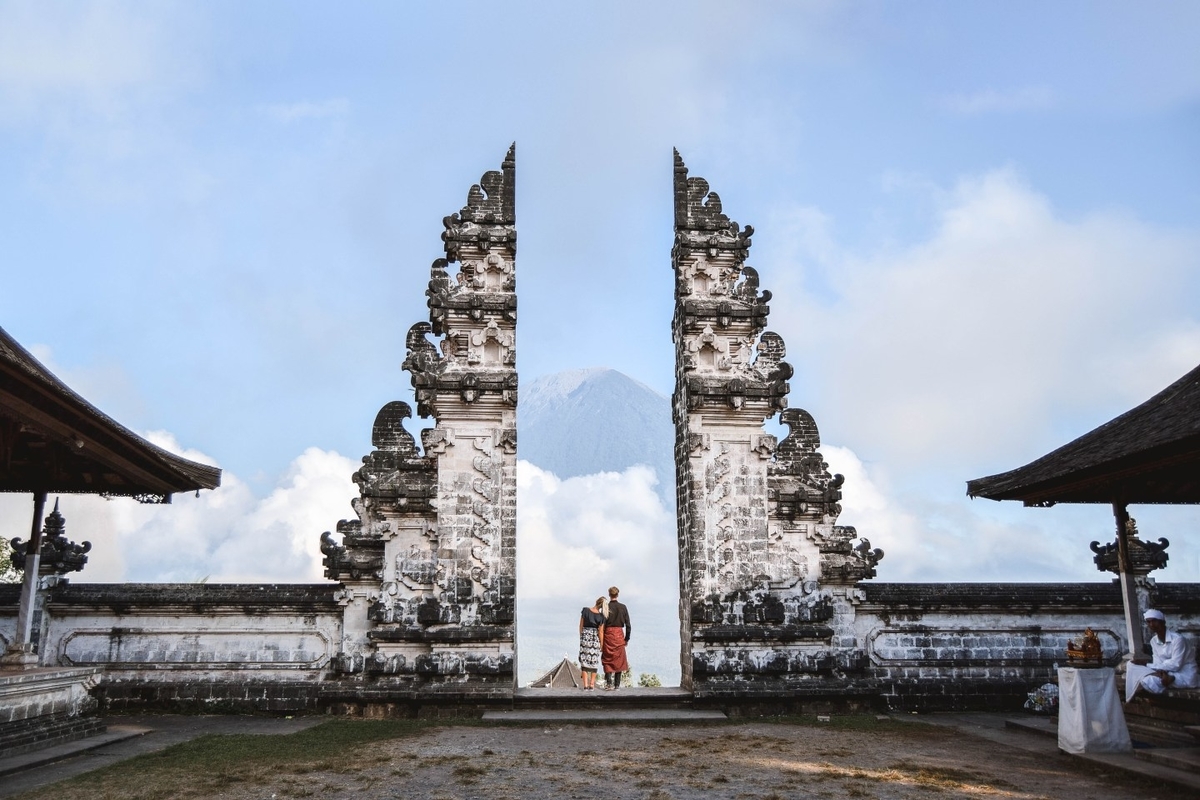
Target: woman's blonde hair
{"x": 602, "y": 602}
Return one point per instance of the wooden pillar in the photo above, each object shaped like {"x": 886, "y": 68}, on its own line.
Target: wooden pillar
{"x": 1133, "y": 617}
{"x": 21, "y": 649}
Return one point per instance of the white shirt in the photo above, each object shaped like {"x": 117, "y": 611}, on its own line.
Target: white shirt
{"x": 1177, "y": 655}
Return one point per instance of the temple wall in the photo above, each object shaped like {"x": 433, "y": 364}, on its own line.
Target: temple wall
{"x": 197, "y": 647}
{"x": 251, "y": 647}
{"x": 946, "y": 646}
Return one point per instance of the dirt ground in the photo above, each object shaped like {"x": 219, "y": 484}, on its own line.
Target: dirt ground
{"x": 753, "y": 760}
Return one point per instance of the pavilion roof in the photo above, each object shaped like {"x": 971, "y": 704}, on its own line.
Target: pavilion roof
{"x": 53, "y": 440}
{"x": 563, "y": 675}
{"x": 1150, "y": 454}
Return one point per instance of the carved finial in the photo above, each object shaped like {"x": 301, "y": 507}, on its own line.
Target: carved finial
{"x": 1144, "y": 557}
{"x": 422, "y": 355}
{"x": 388, "y": 432}
{"x": 55, "y": 525}
{"x": 489, "y": 217}
{"x": 492, "y": 200}
{"x": 700, "y": 222}
{"x": 59, "y": 555}
{"x": 798, "y": 459}
{"x": 869, "y": 557}
{"x": 803, "y": 436}
{"x": 769, "y": 361}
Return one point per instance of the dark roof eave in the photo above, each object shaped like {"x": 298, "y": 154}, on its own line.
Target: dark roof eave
{"x": 1129, "y": 475}
{"x": 1158, "y": 439}
{"x": 35, "y": 394}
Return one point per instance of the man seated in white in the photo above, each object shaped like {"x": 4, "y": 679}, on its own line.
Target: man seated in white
{"x": 1173, "y": 664}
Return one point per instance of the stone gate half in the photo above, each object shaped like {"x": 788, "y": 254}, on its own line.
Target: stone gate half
{"x": 428, "y": 568}
{"x": 767, "y": 577}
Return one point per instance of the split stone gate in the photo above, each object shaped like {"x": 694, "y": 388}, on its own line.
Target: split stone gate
{"x": 776, "y": 606}
{"x": 767, "y": 577}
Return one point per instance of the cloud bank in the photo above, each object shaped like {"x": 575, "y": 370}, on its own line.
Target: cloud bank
{"x": 1006, "y": 332}
{"x": 225, "y": 535}
{"x": 577, "y": 537}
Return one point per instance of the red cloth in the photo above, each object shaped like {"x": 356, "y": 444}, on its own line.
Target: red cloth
{"x": 613, "y": 654}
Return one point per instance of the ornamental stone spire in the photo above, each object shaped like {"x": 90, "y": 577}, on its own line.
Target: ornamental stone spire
{"x": 429, "y": 566}
{"x": 766, "y": 576}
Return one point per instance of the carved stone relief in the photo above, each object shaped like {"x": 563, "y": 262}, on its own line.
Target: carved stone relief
{"x": 429, "y": 566}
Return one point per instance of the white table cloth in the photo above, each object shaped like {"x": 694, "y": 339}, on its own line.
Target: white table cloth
{"x": 1090, "y": 717}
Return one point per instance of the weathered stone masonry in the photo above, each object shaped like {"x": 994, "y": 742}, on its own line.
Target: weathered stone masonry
{"x": 429, "y": 565}
{"x": 767, "y": 577}
{"x": 193, "y": 647}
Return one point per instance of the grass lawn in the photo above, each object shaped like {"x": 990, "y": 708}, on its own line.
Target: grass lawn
{"x": 208, "y": 765}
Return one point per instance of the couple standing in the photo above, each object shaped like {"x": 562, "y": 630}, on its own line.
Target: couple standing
{"x": 604, "y": 630}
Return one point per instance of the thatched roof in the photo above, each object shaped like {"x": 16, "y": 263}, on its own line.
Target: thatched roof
{"x": 564, "y": 675}
{"x": 53, "y": 440}
{"x": 1150, "y": 454}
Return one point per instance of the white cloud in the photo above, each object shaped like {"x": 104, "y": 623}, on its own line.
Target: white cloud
{"x": 929, "y": 539}
{"x": 225, "y": 535}
{"x": 307, "y": 109}
{"x": 92, "y": 52}
{"x": 977, "y": 346}
{"x": 575, "y": 538}
{"x": 1006, "y": 332}
{"x": 993, "y": 101}
{"x": 579, "y": 536}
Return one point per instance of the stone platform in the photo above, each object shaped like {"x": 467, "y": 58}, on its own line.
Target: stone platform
{"x": 628, "y": 704}
{"x": 45, "y": 706}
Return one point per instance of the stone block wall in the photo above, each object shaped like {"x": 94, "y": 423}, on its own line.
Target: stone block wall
{"x": 952, "y": 646}
{"x": 272, "y": 648}
{"x": 197, "y": 647}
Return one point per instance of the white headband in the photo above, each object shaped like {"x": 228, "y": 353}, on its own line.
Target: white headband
{"x": 1154, "y": 613}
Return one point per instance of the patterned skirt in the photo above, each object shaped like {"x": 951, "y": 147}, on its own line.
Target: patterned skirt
{"x": 589, "y": 649}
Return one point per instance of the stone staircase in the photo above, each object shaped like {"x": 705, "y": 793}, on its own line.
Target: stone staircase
{"x": 25, "y": 736}
{"x": 629, "y": 704}
{"x": 661, "y": 698}
{"x": 1165, "y": 730}
{"x": 1171, "y": 719}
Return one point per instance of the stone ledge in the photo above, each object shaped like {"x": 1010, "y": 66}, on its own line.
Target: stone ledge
{"x": 759, "y": 633}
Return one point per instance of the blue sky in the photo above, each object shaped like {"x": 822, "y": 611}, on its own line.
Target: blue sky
{"x": 980, "y": 222}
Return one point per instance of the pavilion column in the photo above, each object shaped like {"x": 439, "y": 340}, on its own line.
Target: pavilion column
{"x": 1129, "y": 599}
{"x": 20, "y": 652}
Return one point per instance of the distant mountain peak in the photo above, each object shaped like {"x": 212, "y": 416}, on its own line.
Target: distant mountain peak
{"x": 567, "y": 381}
{"x": 584, "y": 421}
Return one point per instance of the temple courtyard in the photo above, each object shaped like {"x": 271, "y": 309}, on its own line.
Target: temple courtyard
{"x": 855, "y": 756}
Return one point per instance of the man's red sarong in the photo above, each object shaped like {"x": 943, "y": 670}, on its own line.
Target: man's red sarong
{"x": 613, "y": 654}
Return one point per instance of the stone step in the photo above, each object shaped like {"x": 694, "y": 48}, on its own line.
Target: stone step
{"x": 1161, "y": 711}
{"x": 1182, "y": 758}
{"x": 61, "y": 751}
{"x": 1042, "y": 726}
{"x": 1158, "y": 736}
{"x": 600, "y": 715}
{"x": 27, "y": 735}
{"x": 633, "y": 697}
{"x": 1142, "y": 734}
